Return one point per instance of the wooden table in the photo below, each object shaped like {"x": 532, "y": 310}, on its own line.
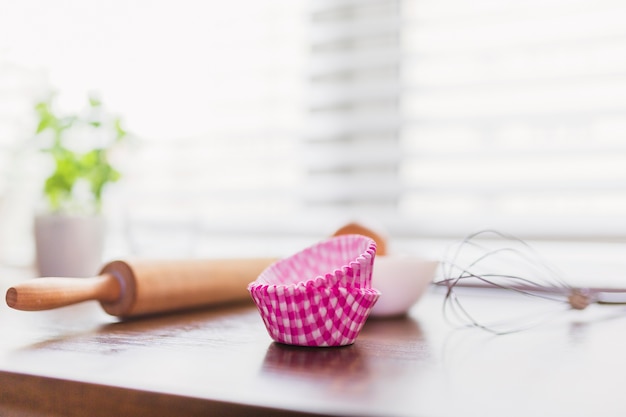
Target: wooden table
{"x": 77, "y": 361}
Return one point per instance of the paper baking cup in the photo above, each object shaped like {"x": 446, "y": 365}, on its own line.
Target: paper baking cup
{"x": 345, "y": 260}
{"x": 320, "y": 296}
{"x": 313, "y": 316}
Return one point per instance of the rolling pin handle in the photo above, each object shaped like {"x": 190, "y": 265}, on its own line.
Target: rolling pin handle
{"x": 47, "y": 293}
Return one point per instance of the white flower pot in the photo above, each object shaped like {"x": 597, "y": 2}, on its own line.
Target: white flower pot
{"x": 68, "y": 245}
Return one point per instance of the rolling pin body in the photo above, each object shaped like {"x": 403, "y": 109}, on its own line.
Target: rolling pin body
{"x": 138, "y": 288}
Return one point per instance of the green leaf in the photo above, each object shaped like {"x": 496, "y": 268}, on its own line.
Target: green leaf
{"x": 47, "y": 120}
{"x": 120, "y": 133}
{"x": 43, "y": 125}
{"x": 58, "y": 186}
{"x": 94, "y": 101}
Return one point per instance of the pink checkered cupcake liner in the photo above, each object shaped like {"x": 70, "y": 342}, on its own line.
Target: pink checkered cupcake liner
{"x": 308, "y": 316}
{"x": 345, "y": 260}
{"x": 320, "y": 296}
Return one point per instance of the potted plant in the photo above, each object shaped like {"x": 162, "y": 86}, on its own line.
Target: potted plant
{"x": 69, "y": 232}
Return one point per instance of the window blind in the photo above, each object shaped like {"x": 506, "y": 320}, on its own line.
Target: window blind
{"x": 505, "y": 114}
{"x": 515, "y": 116}
{"x": 352, "y": 140}
{"x": 433, "y": 118}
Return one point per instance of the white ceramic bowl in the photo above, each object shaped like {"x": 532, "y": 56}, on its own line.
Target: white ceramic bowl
{"x": 401, "y": 280}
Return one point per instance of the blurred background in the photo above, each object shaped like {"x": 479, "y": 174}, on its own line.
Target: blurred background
{"x": 255, "y": 124}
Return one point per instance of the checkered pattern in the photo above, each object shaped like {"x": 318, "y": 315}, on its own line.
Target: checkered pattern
{"x": 345, "y": 260}
{"x": 321, "y": 296}
{"x": 314, "y": 316}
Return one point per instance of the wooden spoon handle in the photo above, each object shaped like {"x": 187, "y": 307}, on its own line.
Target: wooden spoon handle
{"x": 44, "y": 294}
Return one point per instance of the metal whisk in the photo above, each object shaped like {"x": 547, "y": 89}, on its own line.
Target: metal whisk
{"x": 491, "y": 259}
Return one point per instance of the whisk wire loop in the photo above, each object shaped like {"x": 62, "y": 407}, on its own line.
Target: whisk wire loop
{"x": 474, "y": 263}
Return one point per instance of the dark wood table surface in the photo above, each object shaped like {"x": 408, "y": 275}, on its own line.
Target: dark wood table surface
{"x": 77, "y": 361}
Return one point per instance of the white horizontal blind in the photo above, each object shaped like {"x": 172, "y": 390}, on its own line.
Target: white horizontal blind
{"x": 516, "y": 115}
{"x": 431, "y": 117}
{"x": 354, "y": 121}
{"x": 506, "y": 114}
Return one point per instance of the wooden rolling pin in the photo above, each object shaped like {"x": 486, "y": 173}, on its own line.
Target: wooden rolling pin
{"x": 136, "y": 288}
